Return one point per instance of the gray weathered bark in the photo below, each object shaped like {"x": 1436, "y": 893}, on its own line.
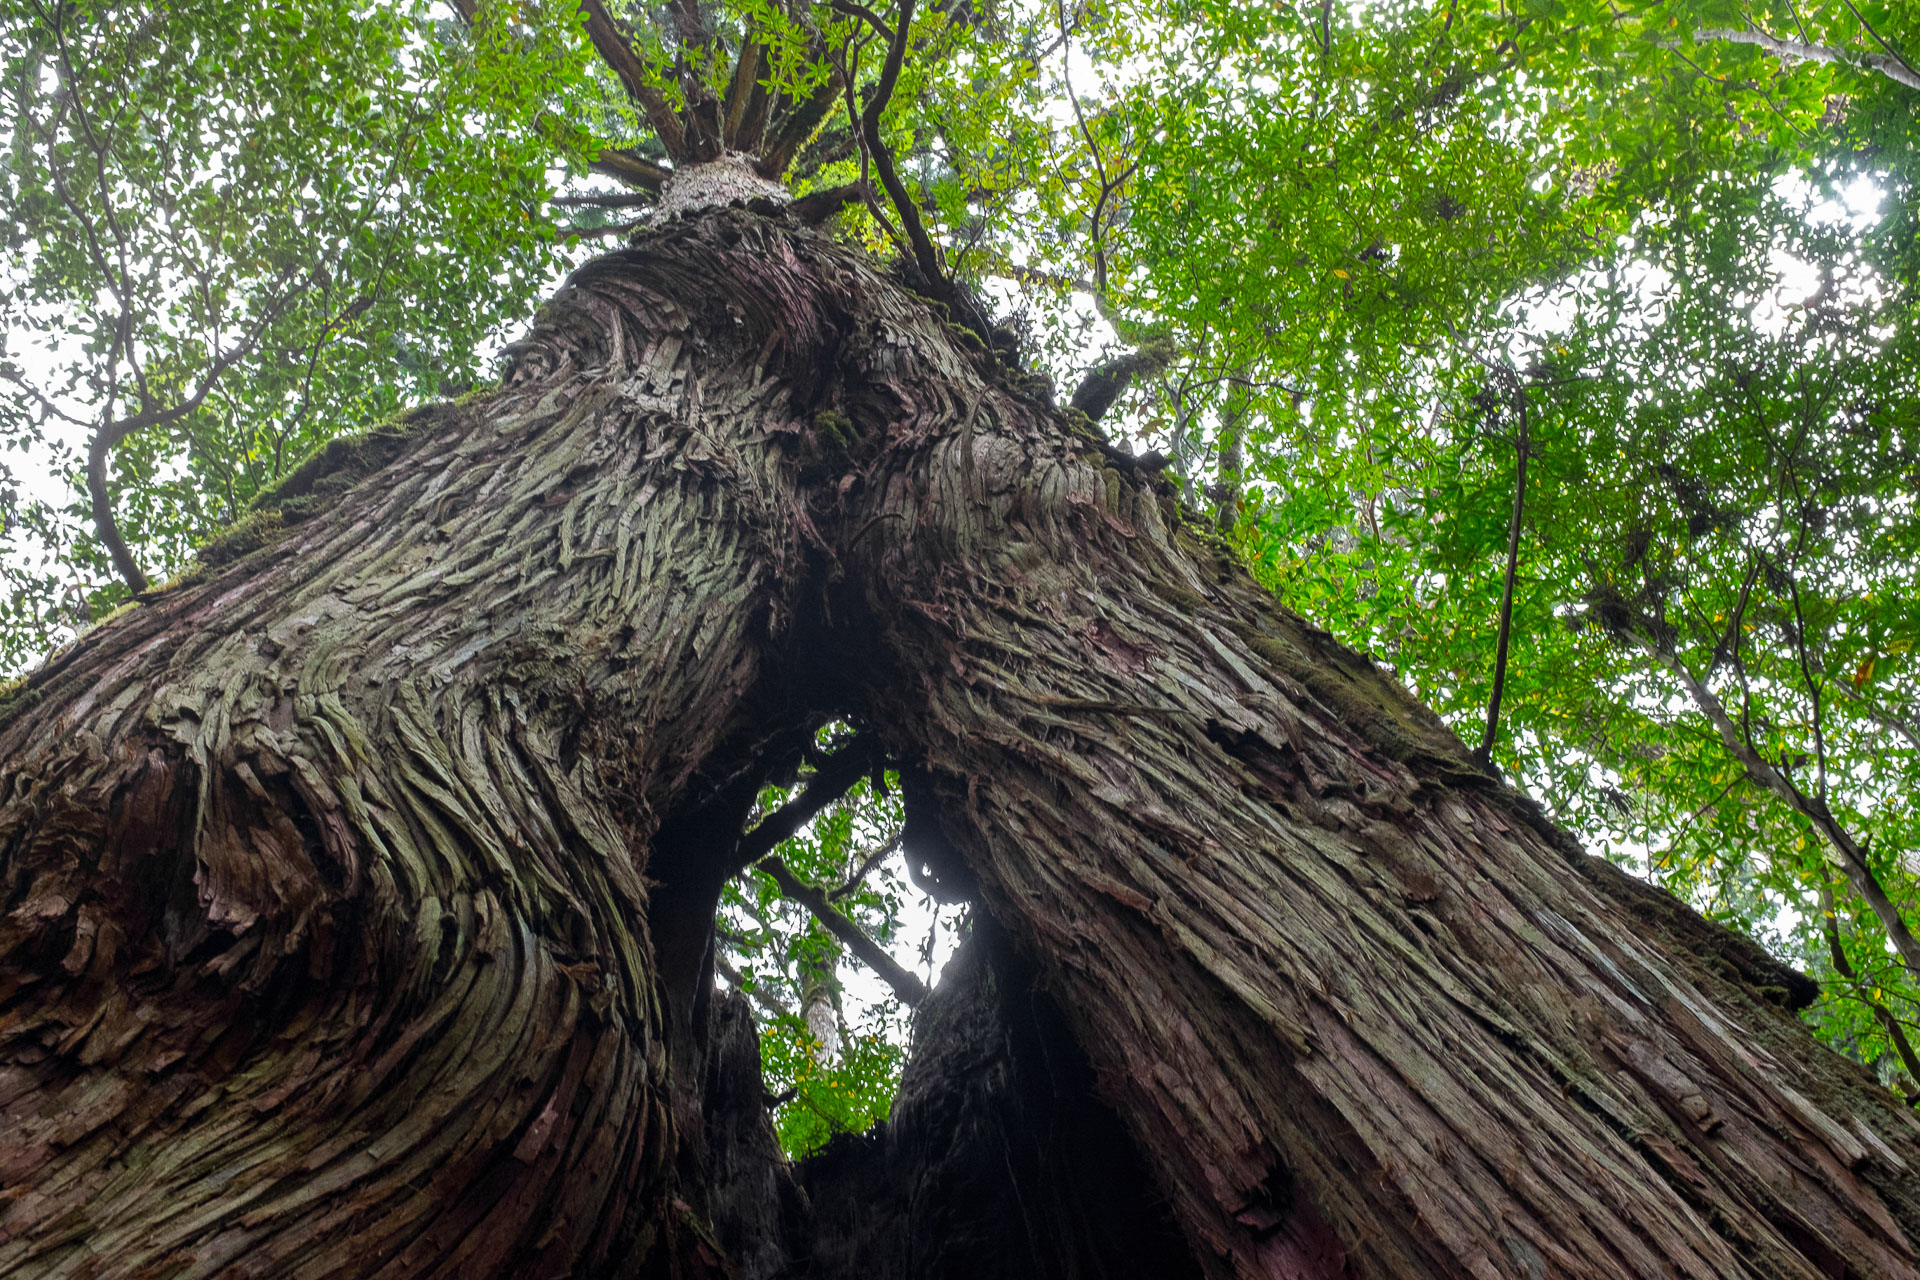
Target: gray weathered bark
{"x": 358, "y": 894}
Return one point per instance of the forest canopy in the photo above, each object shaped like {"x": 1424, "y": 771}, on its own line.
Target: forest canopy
{"x": 1562, "y": 356}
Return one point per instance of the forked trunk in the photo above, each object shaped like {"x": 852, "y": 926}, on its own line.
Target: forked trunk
{"x": 358, "y": 895}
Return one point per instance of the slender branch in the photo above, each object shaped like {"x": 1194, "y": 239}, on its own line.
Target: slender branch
{"x": 1813, "y": 685}
{"x": 1888, "y": 720}
{"x": 48, "y": 409}
{"x": 867, "y": 864}
{"x": 110, "y": 434}
{"x": 905, "y": 983}
{"x": 924, "y": 254}
{"x": 866, "y": 15}
{"x": 1883, "y": 1015}
{"x": 1878, "y": 39}
{"x": 1729, "y": 645}
{"x": 1109, "y": 184}
{"x": 1887, "y": 64}
{"x": 1770, "y": 777}
{"x": 767, "y": 1000}
{"x": 1522, "y": 446}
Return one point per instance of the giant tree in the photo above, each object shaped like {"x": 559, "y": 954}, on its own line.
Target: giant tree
{"x": 359, "y": 886}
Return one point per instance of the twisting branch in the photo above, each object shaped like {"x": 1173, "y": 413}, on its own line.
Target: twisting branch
{"x": 866, "y": 15}
{"x": 110, "y": 434}
{"x": 1110, "y": 184}
{"x": 924, "y": 254}
{"x": 906, "y": 984}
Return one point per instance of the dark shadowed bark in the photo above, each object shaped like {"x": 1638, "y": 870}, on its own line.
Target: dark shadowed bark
{"x": 358, "y": 894}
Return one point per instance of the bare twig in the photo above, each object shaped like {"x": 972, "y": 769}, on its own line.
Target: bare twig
{"x": 1771, "y": 777}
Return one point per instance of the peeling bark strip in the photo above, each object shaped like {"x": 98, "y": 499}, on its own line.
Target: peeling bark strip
{"x": 336, "y": 887}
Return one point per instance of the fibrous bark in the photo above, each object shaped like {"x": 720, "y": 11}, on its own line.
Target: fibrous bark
{"x": 357, "y": 895}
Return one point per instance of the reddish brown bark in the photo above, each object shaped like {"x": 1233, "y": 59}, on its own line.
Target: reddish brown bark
{"x": 357, "y": 895}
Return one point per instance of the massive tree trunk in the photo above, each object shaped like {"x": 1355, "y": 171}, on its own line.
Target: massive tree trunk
{"x": 358, "y": 893}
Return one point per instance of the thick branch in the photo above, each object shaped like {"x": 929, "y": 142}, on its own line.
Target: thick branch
{"x": 1887, "y": 65}
{"x": 746, "y": 74}
{"x": 630, "y": 169}
{"x": 1106, "y": 382}
{"x": 615, "y": 49}
{"x": 104, "y": 524}
{"x": 835, "y": 775}
{"x": 905, "y": 983}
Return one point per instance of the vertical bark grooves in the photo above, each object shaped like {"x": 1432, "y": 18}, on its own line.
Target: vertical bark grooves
{"x": 323, "y": 946}
{"x": 1315, "y": 954}
{"x": 327, "y": 917}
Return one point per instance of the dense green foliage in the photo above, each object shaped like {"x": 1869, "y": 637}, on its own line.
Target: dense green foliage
{"x": 1710, "y": 358}
{"x": 251, "y": 228}
{"x": 831, "y": 1062}
{"x": 1370, "y": 252}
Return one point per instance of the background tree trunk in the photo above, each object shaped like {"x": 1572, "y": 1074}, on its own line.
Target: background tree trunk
{"x": 358, "y": 895}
